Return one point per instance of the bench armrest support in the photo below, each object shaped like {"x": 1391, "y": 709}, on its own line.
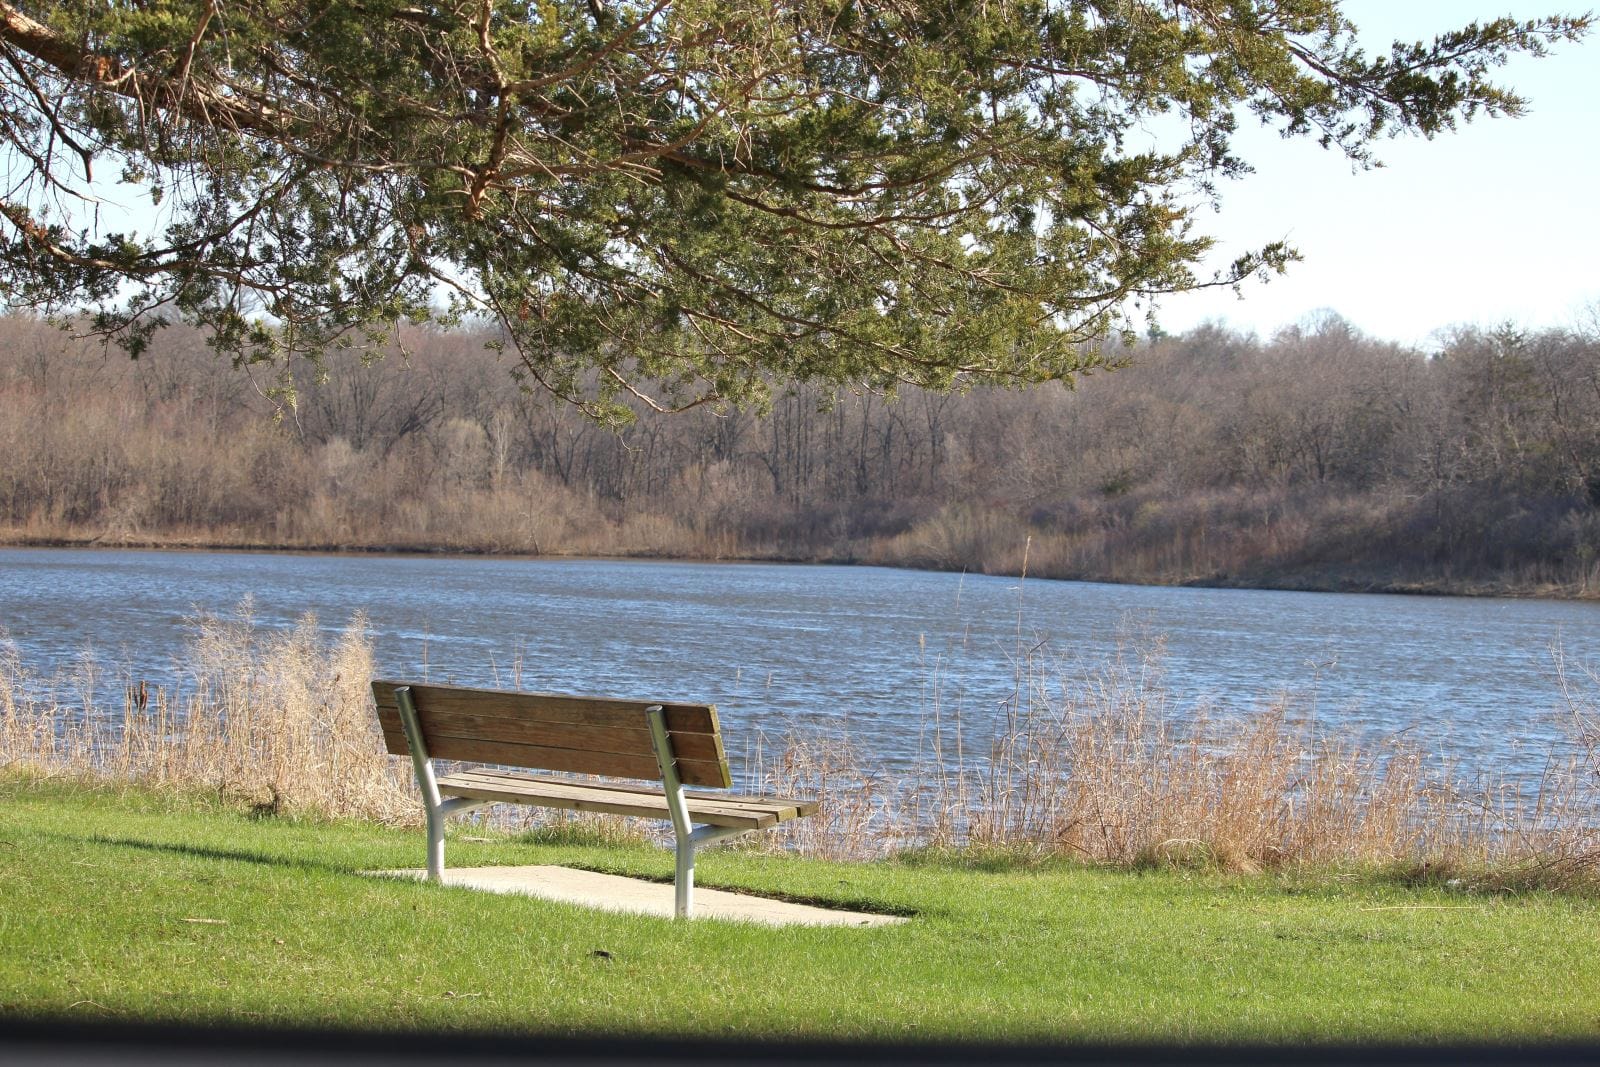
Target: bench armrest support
{"x": 705, "y": 836}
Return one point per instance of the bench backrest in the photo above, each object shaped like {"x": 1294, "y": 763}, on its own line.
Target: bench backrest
{"x": 542, "y": 731}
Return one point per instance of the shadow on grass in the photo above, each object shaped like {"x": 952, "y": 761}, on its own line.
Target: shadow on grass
{"x": 989, "y": 859}
{"x": 1575, "y": 876}
{"x": 206, "y": 852}
{"x": 366, "y": 871}
{"x": 54, "y": 1040}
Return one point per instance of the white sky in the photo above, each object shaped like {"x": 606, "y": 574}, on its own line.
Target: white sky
{"x": 1496, "y": 222}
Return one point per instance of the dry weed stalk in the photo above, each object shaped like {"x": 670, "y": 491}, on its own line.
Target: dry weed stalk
{"x": 1092, "y": 763}
{"x": 1095, "y": 764}
{"x": 282, "y": 720}
{"x": 855, "y": 818}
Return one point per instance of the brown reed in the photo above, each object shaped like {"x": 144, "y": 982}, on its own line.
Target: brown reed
{"x": 1094, "y": 763}
{"x": 281, "y": 720}
{"x": 1090, "y": 762}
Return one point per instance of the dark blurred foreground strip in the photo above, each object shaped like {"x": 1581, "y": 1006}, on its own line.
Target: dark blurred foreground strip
{"x": 25, "y": 1043}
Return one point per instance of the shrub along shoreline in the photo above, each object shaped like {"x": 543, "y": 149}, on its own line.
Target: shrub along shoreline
{"x": 1316, "y": 459}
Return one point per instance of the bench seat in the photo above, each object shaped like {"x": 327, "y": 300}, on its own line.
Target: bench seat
{"x": 610, "y": 798}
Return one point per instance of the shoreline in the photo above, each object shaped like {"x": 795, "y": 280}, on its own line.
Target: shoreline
{"x": 1288, "y": 582}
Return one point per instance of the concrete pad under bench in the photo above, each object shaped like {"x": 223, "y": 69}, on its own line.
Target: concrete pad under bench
{"x": 611, "y": 892}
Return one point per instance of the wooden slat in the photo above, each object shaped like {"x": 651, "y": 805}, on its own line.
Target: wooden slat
{"x": 610, "y": 802}
{"x": 634, "y": 742}
{"x": 587, "y": 735}
{"x": 708, "y": 810}
{"x": 615, "y": 804}
{"x": 784, "y": 807}
{"x": 776, "y": 805}
{"x": 550, "y": 707}
{"x": 577, "y": 761}
{"x": 579, "y": 796}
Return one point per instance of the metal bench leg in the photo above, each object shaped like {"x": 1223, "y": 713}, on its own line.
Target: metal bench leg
{"x": 683, "y": 876}
{"x": 689, "y": 838}
{"x": 434, "y": 806}
{"x": 435, "y": 845}
{"x": 683, "y": 880}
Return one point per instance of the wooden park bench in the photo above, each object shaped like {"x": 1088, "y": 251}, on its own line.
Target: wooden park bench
{"x": 675, "y": 744}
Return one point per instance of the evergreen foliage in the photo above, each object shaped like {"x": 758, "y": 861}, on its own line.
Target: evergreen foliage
{"x": 679, "y": 200}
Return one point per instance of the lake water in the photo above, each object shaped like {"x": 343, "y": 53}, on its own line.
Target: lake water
{"x": 861, "y": 651}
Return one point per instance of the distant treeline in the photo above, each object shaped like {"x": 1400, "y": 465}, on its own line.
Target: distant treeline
{"x": 1318, "y": 459}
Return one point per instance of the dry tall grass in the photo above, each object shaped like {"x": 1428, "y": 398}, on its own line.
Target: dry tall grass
{"x": 1096, "y": 764}
{"x": 1091, "y": 762}
{"x": 282, "y": 720}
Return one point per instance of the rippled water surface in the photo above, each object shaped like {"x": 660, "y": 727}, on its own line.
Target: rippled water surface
{"x": 860, "y": 650}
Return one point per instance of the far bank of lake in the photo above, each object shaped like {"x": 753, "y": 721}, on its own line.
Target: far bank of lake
{"x": 1301, "y": 579}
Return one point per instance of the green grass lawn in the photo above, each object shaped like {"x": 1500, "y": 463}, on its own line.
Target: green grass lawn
{"x": 135, "y": 906}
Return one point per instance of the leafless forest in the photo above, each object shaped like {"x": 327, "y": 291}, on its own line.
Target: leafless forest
{"x": 1317, "y": 459}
